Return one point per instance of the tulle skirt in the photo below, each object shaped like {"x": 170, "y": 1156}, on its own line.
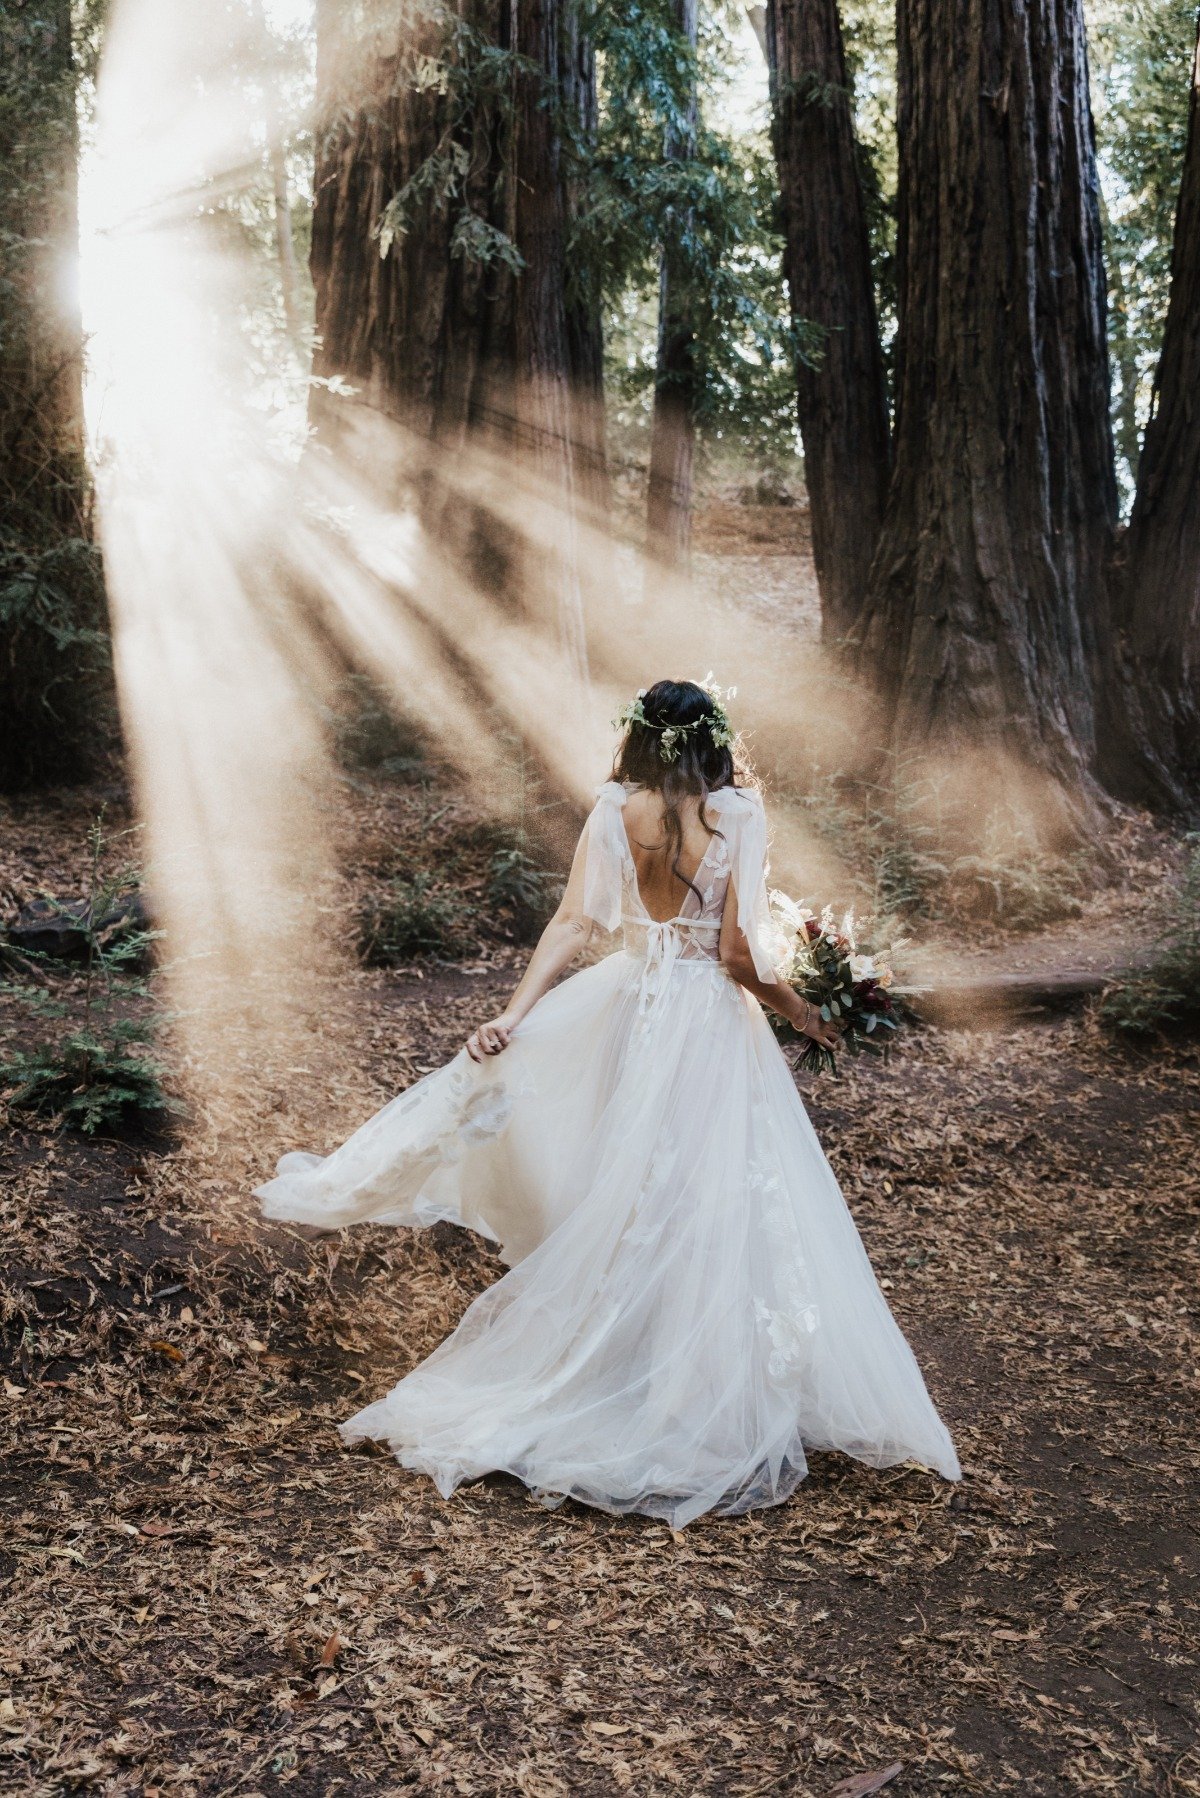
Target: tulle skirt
{"x": 688, "y": 1308}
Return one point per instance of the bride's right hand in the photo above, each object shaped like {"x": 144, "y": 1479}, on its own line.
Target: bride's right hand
{"x": 490, "y": 1038}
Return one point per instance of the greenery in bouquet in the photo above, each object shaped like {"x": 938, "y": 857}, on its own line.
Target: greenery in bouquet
{"x": 851, "y": 986}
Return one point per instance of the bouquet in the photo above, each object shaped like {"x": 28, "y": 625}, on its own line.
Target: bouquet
{"x": 849, "y": 988}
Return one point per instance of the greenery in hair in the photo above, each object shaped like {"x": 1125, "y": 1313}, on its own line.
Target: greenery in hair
{"x": 672, "y": 736}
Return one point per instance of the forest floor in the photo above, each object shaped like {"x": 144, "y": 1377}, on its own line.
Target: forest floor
{"x": 204, "y": 1594}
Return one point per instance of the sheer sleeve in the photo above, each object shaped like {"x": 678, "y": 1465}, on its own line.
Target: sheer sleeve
{"x": 606, "y": 854}
{"x": 743, "y": 822}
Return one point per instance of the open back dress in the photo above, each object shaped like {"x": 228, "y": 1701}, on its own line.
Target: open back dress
{"x": 688, "y": 1309}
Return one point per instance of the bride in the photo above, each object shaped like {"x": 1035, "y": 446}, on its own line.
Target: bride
{"x": 688, "y": 1308}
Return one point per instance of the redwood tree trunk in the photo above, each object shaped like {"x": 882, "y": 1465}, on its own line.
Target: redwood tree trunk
{"x": 842, "y": 394}
{"x": 414, "y": 331}
{"x": 585, "y": 332}
{"x": 51, "y": 596}
{"x": 1150, "y": 748}
{"x": 452, "y": 343}
{"x": 41, "y": 335}
{"x": 980, "y": 622}
{"x": 677, "y": 375}
{"x": 542, "y": 373}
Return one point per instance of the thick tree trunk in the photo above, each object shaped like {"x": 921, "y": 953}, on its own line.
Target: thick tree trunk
{"x": 542, "y": 374}
{"x": 458, "y": 330}
{"x": 981, "y": 620}
{"x": 585, "y": 331}
{"x": 414, "y": 331}
{"x": 842, "y": 396}
{"x": 50, "y": 577}
{"x": 41, "y": 335}
{"x": 1150, "y": 748}
{"x": 677, "y": 374}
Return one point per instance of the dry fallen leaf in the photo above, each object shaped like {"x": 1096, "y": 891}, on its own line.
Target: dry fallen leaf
{"x": 1044, "y": 1192}
{"x": 859, "y": 1784}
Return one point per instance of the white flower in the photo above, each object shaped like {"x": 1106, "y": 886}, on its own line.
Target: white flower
{"x": 790, "y": 915}
{"x": 862, "y": 967}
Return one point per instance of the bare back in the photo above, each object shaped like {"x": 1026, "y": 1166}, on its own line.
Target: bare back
{"x": 662, "y": 891}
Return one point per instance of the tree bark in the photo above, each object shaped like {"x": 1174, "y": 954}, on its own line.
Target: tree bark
{"x": 1150, "y": 748}
{"x": 585, "y": 331}
{"x": 51, "y": 659}
{"x": 41, "y": 335}
{"x": 542, "y": 376}
{"x": 417, "y": 330}
{"x": 982, "y": 615}
{"x": 677, "y": 377}
{"x": 842, "y": 395}
{"x": 461, "y": 348}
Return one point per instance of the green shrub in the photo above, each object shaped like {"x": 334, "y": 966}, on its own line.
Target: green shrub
{"x": 1012, "y": 882}
{"x": 412, "y": 919}
{"x": 368, "y": 734}
{"x": 89, "y": 1081}
{"x": 894, "y": 832}
{"x": 1165, "y": 994}
{"x": 886, "y": 829}
{"x": 521, "y": 888}
{"x": 55, "y": 674}
{"x": 93, "y": 1070}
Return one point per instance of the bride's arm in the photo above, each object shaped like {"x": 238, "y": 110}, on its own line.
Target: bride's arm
{"x": 775, "y": 994}
{"x": 567, "y": 933}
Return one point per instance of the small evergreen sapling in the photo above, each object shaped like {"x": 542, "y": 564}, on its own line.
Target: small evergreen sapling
{"x": 94, "y": 1071}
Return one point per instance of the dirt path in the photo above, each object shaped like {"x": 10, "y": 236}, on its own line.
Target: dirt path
{"x": 205, "y": 1595}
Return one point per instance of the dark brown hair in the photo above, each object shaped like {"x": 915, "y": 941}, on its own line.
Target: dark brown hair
{"x": 701, "y": 766}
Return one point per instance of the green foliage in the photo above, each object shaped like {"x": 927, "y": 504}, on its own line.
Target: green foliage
{"x": 716, "y": 208}
{"x": 54, "y": 659}
{"x": 1164, "y": 995}
{"x": 95, "y": 1069}
{"x": 53, "y": 667}
{"x": 896, "y": 832}
{"x": 98, "y": 1081}
{"x": 435, "y": 47}
{"x": 412, "y": 919}
{"x": 870, "y": 38}
{"x": 1011, "y": 881}
{"x": 366, "y": 732}
{"x": 271, "y": 66}
{"x": 1141, "y": 52}
{"x": 521, "y": 888}
{"x": 889, "y": 830}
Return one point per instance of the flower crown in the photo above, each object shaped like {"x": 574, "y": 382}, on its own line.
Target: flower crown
{"x": 715, "y": 722}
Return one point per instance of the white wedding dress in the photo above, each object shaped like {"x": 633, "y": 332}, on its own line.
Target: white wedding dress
{"x": 688, "y": 1308}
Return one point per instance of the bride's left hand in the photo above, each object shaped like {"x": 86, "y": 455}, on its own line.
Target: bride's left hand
{"x": 490, "y": 1038}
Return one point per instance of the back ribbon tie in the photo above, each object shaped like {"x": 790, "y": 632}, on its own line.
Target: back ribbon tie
{"x": 663, "y": 943}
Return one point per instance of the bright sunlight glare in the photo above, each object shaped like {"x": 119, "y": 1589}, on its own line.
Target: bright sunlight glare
{"x": 244, "y": 583}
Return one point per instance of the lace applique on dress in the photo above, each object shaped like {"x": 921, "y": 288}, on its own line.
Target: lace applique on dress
{"x": 481, "y": 1109}
{"x": 687, "y": 1303}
